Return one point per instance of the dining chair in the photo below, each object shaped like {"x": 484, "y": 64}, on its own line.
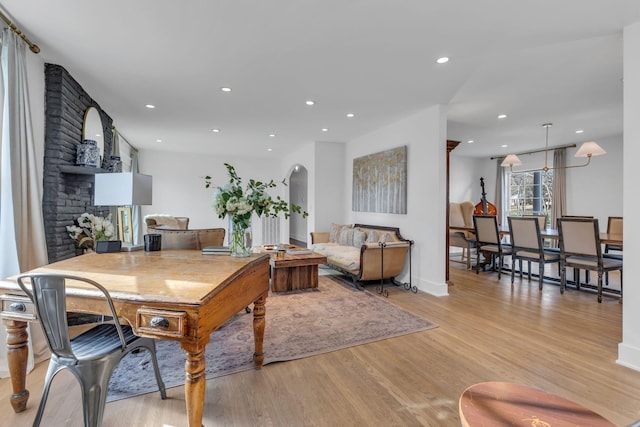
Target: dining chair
{"x": 489, "y": 242}
{"x": 580, "y": 248}
{"x": 91, "y": 356}
{"x": 527, "y": 245}
{"x": 614, "y": 226}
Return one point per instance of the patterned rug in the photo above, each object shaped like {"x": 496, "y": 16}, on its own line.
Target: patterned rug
{"x": 299, "y": 324}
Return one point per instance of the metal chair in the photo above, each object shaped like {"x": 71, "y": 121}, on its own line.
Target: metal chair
{"x": 489, "y": 241}
{"x": 580, "y": 249}
{"x": 527, "y": 245}
{"x": 91, "y": 356}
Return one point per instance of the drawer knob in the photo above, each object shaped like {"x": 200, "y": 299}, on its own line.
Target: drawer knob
{"x": 159, "y": 322}
{"x": 18, "y": 306}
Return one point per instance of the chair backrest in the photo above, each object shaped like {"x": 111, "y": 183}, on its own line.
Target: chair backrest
{"x": 486, "y": 227}
{"x": 525, "y": 232}
{"x": 542, "y": 220}
{"x": 614, "y": 225}
{"x": 49, "y": 296}
{"x": 579, "y": 236}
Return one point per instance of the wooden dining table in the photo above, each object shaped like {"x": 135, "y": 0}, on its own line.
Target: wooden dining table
{"x": 193, "y": 294}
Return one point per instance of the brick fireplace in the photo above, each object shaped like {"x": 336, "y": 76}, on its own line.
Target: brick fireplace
{"x": 67, "y": 189}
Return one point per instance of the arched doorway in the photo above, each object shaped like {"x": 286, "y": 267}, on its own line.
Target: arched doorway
{"x": 298, "y": 181}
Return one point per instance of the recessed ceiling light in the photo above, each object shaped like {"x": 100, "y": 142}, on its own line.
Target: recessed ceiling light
{"x": 579, "y": 131}
{"x": 269, "y": 149}
{"x": 158, "y": 140}
{"x": 350, "y": 115}
{"x": 471, "y": 141}
{"x": 272, "y": 135}
{"x": 225, "y": 89}
{"x": 325, "y": 130}
{"x": 502, "y": 116}
{"x": 150, "y": 106}
{"x": 310, "y": 102}
{"x": 215, "y": 130}
{"x": 504, "y": 146}
{"x": 442, "y": 60}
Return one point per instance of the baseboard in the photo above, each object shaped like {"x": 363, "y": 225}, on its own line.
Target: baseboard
{"x": 628, "y": 356}
{"x": 436, "y": 289}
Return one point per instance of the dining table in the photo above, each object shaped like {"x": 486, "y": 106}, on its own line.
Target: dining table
{"x": 179, "y": 295}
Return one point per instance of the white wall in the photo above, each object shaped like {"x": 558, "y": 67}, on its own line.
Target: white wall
{"x": 179, "y": 189}
{"x": 596, "y": 189}
{"x": 424, "y": 134}
{"x": 464, "y": 178}
{"x": 629, "y": 348}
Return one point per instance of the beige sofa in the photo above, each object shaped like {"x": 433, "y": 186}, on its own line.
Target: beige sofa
{"x": 183, "y": 238}
{"x": 461, "y": 215}
{"x": 357, "y": 250}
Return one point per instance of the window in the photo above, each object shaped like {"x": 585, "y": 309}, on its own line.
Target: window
{"x": 529, "y": 193}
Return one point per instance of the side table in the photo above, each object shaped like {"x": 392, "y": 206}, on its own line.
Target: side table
{"x": 509, "y": 404}
{"x": 292, "y": 272}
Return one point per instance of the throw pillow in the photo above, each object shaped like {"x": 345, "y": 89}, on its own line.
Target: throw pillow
{"x": 387, "y": 237}
{"x": 372, "y": 236}
{"x": 346, "y": 237}
{"x": 334, "y": 232}
{"x": 359, "y": 237}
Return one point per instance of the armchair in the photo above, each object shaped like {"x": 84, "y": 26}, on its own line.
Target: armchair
{"x": 460, "y": 215}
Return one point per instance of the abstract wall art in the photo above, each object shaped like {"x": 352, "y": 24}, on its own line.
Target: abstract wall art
{"x": 380, "y": 182}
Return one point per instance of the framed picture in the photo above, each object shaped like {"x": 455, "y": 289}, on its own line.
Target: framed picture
{"x": 380, "y": 182}
{"x": 125, "y": 228}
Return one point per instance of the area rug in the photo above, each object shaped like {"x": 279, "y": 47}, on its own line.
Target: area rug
{"x": 299, "y": 324}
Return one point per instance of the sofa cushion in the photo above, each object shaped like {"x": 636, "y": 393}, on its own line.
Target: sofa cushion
{"x": 372, "y": 236}
{"x": 359, "y": 237}
{"x": 345, "y": 257}
{"x": 334, "y": 232}
{"x": 346, "y": 236}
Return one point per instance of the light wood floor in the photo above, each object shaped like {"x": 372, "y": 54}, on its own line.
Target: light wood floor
{"x": 488, "y": 331}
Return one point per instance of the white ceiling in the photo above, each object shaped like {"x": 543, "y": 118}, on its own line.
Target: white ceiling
{"x": 537, "y": 61}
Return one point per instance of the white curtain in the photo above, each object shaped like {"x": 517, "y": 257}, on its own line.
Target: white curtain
{"x": 22, "y": 238}
{"x": 559, "y": 202}
{"x": 502, "y": 184}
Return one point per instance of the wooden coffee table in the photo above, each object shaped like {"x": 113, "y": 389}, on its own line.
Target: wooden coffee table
{"x": 509, "y": 404}
{"x": 291, "y": 272}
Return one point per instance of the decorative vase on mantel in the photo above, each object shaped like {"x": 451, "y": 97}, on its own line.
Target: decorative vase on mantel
{"x": 88, "y": 154}
{"x": 240, "y": 240}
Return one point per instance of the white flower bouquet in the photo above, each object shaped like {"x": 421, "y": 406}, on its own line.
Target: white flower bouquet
{"x": 88, "y": 229}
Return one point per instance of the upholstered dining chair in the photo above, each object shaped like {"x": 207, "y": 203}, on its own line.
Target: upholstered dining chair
{"x": 488, "y": 241}
{"x": 614, "y": 226}
{"x": 580, "y": 248}
{"x": 91, "y": 356}
{"x": 527, "y": 245}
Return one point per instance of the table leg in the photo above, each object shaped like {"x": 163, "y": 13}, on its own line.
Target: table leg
{"x": 259, "y": 312}
{"x": 195, "y": 382}
{"x": 17, "y": 354}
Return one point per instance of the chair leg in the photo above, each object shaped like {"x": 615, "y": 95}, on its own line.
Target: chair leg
{"x": 94, "y": 394}
{"x": 513, "y": 273}
{"x": 563, "y": 277}
{"x": 51, "y": 372}
{"x": 520, "y": 265}
{"x": 599, "y": 286}
{"x": 540, "y": 274}
{"x": 156, "y": 370}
